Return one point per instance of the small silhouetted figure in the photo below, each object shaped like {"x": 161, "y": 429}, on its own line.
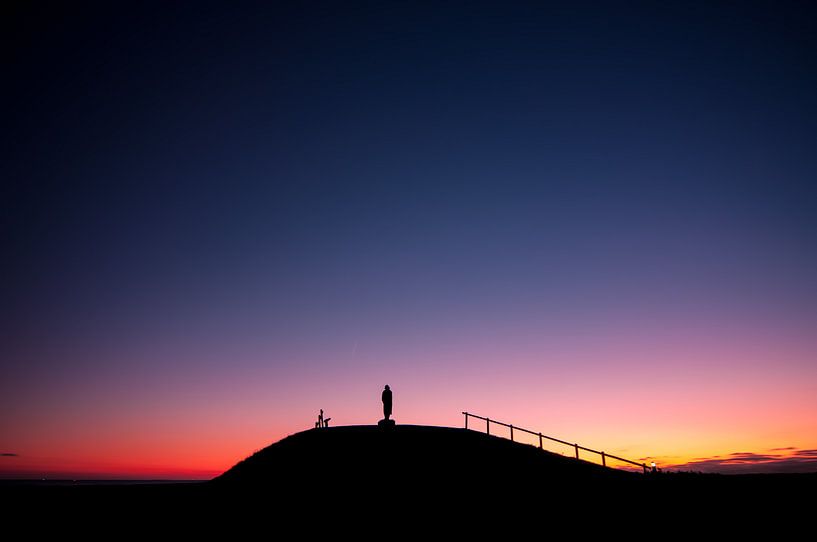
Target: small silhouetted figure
{"x": 386, "y": 397}
{"x": 319, "y": 423}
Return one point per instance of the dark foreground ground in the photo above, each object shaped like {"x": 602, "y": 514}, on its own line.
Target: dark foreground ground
{"x": 418, "y": 477}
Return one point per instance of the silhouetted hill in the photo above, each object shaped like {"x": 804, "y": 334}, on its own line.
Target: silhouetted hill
{"x": 343, "y": 479}
{"x": 413, "y": 456}
{"x": 444, "y": 469}
{"x": 414, "y": 467}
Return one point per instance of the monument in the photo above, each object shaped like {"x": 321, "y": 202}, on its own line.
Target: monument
{"x": 387, "y": 408}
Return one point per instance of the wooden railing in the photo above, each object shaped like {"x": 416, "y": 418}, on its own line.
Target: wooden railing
{"x": 576, "y": 447}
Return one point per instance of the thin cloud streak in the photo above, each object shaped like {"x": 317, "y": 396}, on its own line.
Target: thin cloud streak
{"x": 796, "y": 461}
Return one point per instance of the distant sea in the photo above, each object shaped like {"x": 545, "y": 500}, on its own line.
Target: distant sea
{"x": 48, "y": 482}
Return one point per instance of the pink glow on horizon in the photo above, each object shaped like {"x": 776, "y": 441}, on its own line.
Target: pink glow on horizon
{"x": 670, "y": 398}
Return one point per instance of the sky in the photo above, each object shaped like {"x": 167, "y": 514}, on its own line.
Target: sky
{"x": 592, "y": 220}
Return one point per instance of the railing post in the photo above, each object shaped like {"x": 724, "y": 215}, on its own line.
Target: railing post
{"x": 603, "y": 460}
{"x": 488, "y": 426}
{"x": 466, "y": 419}
{"x": 540, "y": 441}
{"x": 577, "y": 450}
{"x": 511, "y": 432}
{"x": 645, "y": 467}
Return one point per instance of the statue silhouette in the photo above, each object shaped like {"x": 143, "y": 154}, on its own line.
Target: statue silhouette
{"x": 386, "y": 397}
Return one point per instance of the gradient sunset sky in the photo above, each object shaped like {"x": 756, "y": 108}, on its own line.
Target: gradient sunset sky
{"x": 596, "y": 222}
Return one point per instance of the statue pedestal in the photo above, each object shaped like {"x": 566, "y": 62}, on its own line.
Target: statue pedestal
{"x": 386, "y": 424}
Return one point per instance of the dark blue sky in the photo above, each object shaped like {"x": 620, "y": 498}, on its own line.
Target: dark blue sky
{"x": 195, "y": 137}
{"x": 316, "y": 173}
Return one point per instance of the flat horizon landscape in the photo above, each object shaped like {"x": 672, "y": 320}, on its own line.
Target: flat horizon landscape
{"x": 358, "y": 449}
{"x": 436, "y": 475}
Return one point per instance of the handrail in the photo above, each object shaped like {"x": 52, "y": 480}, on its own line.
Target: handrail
{"x": 604, "y": 455}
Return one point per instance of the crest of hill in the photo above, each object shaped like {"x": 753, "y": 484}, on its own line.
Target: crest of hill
{"x": 413, "y": 457}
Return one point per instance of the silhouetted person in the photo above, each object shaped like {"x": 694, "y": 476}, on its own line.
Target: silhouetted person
{"x": 386, "y": 397}
{"x": 319, "y": 423}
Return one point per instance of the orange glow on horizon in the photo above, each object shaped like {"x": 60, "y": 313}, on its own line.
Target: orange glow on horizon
{"x": 676, "y": 412}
